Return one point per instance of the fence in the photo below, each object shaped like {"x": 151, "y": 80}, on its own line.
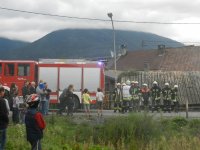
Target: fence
{"x": 188, "y": 82}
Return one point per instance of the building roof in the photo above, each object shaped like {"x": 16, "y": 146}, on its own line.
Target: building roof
{"x": 181, "y": 59}
{"x": 171, "y": 59}
{"x": 139, "y": 60}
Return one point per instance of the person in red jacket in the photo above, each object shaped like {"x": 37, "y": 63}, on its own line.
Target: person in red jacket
{"x": 145, "y": 91}
{"x": 34, "y": 121}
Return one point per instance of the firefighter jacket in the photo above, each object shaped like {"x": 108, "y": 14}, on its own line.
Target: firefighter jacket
{"x": 134, "y": 92}
{"x": 117, "y": 94}
{"x": 125, "y": 92}
{"x": 166, "y": 92}
{"x": 145, "y": 92}
{"x": 174, "y": 95}
{"x": 156, "y": 92}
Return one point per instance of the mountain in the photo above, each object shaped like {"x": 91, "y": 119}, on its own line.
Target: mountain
{"x": 7, "y": 44}
{"x": 81, "y": 43}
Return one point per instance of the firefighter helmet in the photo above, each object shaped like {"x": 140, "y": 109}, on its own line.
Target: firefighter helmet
{"x": 144, "y": 84}
{"x": 175, "y": 86}
{"x": 128, "y": 82}
{"x": 136, "y": 82}
{"x": 166, "y": 84}
{"x": 155, "y": 82}
{"x": 123, "y": 84}
{"x": 132, "y": 82}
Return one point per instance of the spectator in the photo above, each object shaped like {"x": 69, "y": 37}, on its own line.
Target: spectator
{"x": 6, "y": 97}
{"x": 41, "y": 93}
{"x": 86, "y": 102}
{"x": 25, "y": 90}
{"x": 47, "y": 92}
{"x": 15, "y": 103}
{"x": 99, "y": 98}
{"x": 35, "y": 123}
{"x": 67, "y": 100}
{"x": 63, "y": 101}
{"x": 33, "y": 88}
{"x": 3, "y": 118}
{"x": 70, "y": 100}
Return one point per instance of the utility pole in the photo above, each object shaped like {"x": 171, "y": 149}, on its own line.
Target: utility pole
{"x": 110, "y": 15}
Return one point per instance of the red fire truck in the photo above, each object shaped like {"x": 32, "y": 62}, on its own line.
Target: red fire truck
{"x": 58, "y": 73}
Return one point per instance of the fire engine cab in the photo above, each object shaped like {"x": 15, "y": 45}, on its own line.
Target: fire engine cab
{"x": 58, "y": 73}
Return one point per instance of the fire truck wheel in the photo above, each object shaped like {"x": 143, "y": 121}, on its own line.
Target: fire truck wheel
{"x": 76, "y": 103}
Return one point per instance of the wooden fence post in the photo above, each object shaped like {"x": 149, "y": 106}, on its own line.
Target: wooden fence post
{"x": 186, "y": 108}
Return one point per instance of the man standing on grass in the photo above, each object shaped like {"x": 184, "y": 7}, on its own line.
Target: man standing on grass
{"x": 3, "y": 119}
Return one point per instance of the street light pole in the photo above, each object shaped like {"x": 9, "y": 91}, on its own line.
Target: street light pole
{"x": 110, "y": 15}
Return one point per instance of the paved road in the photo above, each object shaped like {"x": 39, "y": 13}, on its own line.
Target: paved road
{"x": 109, "y": 113}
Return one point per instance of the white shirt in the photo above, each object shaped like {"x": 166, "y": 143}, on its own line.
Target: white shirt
{"x": 99, "y": 96}
{"x": 16, "y": 102}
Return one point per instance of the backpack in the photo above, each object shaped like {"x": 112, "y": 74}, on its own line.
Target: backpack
{"x": 63, "y": 96}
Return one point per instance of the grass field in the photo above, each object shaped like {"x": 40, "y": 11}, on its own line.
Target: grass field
{"x": 133, "y": 132}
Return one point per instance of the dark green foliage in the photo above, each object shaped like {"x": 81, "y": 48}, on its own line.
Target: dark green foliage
{"x": 180, "y": 121}
{"x": 132, "y": 132}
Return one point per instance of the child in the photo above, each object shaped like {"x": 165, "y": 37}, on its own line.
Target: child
{"x": 86, "y": 102}
{"x": 3, "y": 118}
{"x": 99, "y": 98}
{"x": 34, "y": 122}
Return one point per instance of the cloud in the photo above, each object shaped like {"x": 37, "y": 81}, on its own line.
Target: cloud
{"x": 31, "y": 27}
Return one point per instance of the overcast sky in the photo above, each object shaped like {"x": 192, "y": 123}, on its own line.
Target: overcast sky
{"x": 29, "y": 27}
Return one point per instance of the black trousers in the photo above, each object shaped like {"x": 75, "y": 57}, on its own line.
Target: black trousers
{"x": 62, "y": 107}
{"x": 155, "y": 104}
{"x": 70, "y": 109}
{"x": 167, "y": 105}
{"x": 35, "y": 145}
{"x": 125, "y": 106}
{"x": 117, "y": 106}
{"x": 15, "y": 115}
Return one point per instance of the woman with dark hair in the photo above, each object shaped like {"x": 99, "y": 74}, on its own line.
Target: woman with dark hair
{"x": 15, "y": 102}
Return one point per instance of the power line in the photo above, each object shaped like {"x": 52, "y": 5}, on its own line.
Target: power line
{"x": 52, "y": 15}
{"x": 150, "y": 41}
{"x": 98, "y": 19}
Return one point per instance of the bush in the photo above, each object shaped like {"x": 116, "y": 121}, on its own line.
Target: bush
{"x": 126, "y": 129}
{"x": 194, "y": 127}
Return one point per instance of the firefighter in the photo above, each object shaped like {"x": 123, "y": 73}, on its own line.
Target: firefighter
{"x": 174, "y": 98}
{"x": 155, "y": 96}
{"x": 166, "y": 92}
{"x": 131, "y": 101}
{"x": 117, "y": 98}
{"x": 126, "y": 96}
{"x": 145, "y": 93}
{"x": 135, "y": 95}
